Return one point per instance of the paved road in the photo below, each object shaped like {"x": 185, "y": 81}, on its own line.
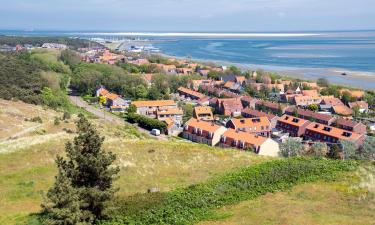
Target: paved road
{"x": 101, "y": 113}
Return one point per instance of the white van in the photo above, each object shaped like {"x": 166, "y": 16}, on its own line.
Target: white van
{"x": 155, "y": 132}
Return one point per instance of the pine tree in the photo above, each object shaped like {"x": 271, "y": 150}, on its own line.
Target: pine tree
{"x": 62, "y": 206}
{"x": 89, "y": 168}
{"x": 84, "y": 179}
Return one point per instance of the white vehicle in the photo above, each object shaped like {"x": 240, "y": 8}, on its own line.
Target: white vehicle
{"x": 155, "y": 132}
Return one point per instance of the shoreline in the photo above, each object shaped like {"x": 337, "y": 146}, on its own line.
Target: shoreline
{"x": 354, "y": 79}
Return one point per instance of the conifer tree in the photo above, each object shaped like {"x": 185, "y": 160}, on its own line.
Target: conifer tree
{"x": 62, "y": 206}
{"x": 87, "y": 172}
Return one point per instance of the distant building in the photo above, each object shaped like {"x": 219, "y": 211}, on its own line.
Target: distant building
{"x": 362, "y": 106}
{"x": 203, "y": 113}
{"x": 310, "y": 115}
{"x": 187, "y": 93}
{"x": 151, "y": 107}
{"x": 54, "y": 46}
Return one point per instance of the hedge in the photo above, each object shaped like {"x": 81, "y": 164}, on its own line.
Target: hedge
{"x": 197, "y": 202}
{"x": 146, "y": 122}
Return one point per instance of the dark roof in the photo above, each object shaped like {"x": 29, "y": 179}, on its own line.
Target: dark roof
{"x": 309, "y": 113}
{"x": 346, "y": 122}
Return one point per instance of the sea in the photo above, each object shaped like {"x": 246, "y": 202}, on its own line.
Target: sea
{"x": 344, "y": 57}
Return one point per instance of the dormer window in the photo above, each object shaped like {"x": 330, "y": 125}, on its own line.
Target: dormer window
{"x": 223, "y": 139}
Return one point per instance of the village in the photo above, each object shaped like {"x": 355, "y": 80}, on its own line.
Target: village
{"x": 226, "y": 115}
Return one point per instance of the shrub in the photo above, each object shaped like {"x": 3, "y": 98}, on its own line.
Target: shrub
{"x": 36, "y": 119}
{"x": 146, "y": 122}
{"x": 194, "y": 203}
{"x": 56, "y": 122}
{"x": 66, "y": 116}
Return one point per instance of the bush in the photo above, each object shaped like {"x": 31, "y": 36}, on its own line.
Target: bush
{"x": 194, "y": 203}
{"x": 56, "y": 122}
{"x": 36, "y": 119}
{"x": 146, "y": 122}
{"x": 66, "y": 116}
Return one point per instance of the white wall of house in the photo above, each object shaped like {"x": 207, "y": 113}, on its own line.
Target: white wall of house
{"x": 269, "y": 148}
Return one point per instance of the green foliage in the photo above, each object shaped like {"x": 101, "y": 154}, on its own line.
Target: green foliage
{"x": 188, "y": 110}
{"x": 84, "y": 180}
{"x": 367, "y": 151}
{"x": 291, "y": 147}
{"x": 323, "y": 82}
{"x": 132, "y": 109}
{"x": 348, "y": 148}
{"x": 62, "y": 205}
{"x": 73, "y": 43}
{"x": 319, "y": 149}
{"x": 146, "y": 122}
{"x": 56, "y": 121}
{"x": 196, "y": 202}
{"x": 70, "y": 57}
{"x": 346, "y": 97}
{"x": 55, "y": 99}
{"x": 312, "y": 107}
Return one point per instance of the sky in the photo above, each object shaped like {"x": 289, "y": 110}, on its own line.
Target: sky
{"x": 188, "y": 15}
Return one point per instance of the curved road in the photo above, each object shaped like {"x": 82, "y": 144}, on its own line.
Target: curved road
{"x": 101, "y": 113}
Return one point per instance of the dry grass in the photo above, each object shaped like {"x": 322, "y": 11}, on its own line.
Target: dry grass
{"x": 314, "y": 203}
{"x": 27, "y": 163}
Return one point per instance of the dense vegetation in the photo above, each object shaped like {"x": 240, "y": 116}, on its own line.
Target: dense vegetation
{"x": 73, "y": 43}
{"x": 146, "y": 122}
{"x": 196, "y": 202}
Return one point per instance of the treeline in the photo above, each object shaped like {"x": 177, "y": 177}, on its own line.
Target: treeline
{"x": 73, "y": 43}
{"x": 87, "y": 77}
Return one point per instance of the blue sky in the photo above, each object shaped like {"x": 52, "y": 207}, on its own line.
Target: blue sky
{"x": 188, "y": 15}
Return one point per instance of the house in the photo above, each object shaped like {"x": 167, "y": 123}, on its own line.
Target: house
{"x": 54, "y": 46}
{"x": 244, "y": 140}
{"x": 362, "y": 106}
{"x": 350, "y": 125}
{"x": 306, "y": 100}
{"x": 203, "y": 132}
{"x": 357, "y": 94}
{"x": 310, "y": 115}
{"x": 187, "y": 93}
{"x": 229, "y": 106}
{"x": 331, "y": 135}
{"x": 115, "y": 100}
{"x": 241, "y": 80}
{"x": 312, "y": 93}
{"x": 168, "y": 69}
{"x": 203, "y": 113}
{"x": 274, "y": 87}
{"x": 259, "y": 126}
{"x": 140, "y": 62}
{"x": 331, "y": 101}
{"x": 310, "y": 84}
{"x": 204, "y": 101}
{"x": 252, "y": 113}
{"x": 185, "y": 71}
{"x": 271, "y": 107}
{"x": 342, "y": 110}
{"x": 232, "y": 86}
{"x": 293, "y": 125}
{"x": 195, "y": 84}
{"x": 118, "y": 108}
{"x": 150, "y": 107}
{"x": 204, "y": 72}
{"x": 174, "y": 114}
{"x": 101, "y": 91}
{"x": 248, "y": 102}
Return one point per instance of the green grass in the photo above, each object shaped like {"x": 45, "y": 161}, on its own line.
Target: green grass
{"x": 26, "y": 174}
{"x": 328, "y": 203}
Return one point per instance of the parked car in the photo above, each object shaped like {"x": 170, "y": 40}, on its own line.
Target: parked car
{"x": 155, "y": 132}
